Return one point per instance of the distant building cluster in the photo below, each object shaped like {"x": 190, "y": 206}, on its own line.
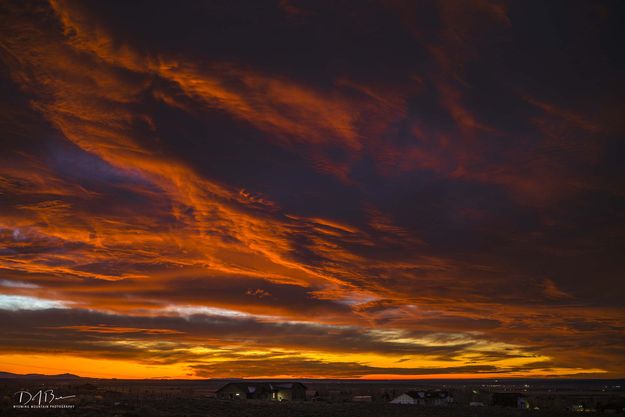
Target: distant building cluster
{"x": 578, "y": 399}
{"x": 276, "y": 391}
{"x": 294, "y": 391}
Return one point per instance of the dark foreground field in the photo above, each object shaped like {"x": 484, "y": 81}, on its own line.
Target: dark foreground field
{"x": 191, "y": 398}
{"x": 217, "y": 408}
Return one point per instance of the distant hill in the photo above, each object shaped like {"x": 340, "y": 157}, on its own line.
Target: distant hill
{"x": 10, "y": 375}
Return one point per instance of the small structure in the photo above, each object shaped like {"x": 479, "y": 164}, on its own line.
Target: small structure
{"x": 276, "y": 391}
{"x": 429, "y": 398}
{"x": 510, "y": 399}
{"x": 362, "y": 398}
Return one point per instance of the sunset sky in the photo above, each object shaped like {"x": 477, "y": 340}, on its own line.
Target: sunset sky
{"x": 332, "y": 189}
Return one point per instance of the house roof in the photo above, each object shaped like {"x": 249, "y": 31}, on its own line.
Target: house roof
{"x": 287, "y": 385}
{"x": 415, "y": 394}
{"x": 250, "y": 387}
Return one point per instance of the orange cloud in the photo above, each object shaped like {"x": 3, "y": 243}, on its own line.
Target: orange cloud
{"x": 197, "y": 275}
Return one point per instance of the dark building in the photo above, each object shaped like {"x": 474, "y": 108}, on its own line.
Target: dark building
{"x": 430, "y": 398}
{"x": 276, "y": 391}
{"x": 510, "y": 399}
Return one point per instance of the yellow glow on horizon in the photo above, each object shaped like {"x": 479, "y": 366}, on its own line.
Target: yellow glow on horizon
{"x": 93, "y": 368}
{"x": 128, "y": 369}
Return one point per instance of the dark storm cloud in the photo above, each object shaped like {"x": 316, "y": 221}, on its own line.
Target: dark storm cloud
{"x": 429, "y": 168}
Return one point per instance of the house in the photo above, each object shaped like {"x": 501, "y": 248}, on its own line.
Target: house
{"x": 276, "y": 391}
{"x": 287, "y": 391}
{"x": 243, "y": 391}
{"x": 430, "y": 398}
{"x": 438, "y": 398}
